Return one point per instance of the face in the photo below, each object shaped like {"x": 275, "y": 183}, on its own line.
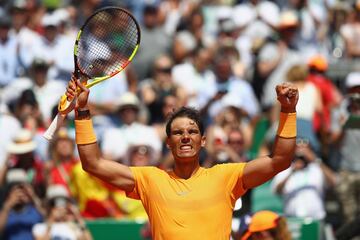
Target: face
{"x": 128, "y": 115}
{"x": 65, "y": 147}
{"x": 236, "y": 141}
{"x": 263, "y": 235}
{"x": 223, "y": 70}
{"x": 185, "y": 140}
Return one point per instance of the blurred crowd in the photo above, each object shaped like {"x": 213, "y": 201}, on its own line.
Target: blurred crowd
{"x": 223, "y": 57}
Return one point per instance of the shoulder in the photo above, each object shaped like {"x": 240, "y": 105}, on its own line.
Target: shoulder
{"x": 227, "y": 167}
{"x": 148, "y": 171}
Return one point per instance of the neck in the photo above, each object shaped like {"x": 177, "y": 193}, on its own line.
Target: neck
{"x": 186, "y": 170}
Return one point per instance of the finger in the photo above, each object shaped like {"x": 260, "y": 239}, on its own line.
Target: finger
{"x": 81, "y": 86}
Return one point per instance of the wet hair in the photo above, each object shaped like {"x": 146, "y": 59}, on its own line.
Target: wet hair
{"x": 187, "y": 112}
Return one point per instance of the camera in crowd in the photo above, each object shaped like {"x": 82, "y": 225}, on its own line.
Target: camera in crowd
{"x": 301, "y": 158}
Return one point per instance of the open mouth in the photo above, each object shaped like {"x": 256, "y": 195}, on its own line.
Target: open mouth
{"x": 186, "y": 148}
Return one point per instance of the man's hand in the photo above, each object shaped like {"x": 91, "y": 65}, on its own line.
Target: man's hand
{"x": 288, "y": 96}
{"x": 77, "y": 90}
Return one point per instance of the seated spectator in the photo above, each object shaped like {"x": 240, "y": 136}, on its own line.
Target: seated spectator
{"x": 228, "y": 90}
{"x": 267, "y": 225}
{"x": 117, "y": 140}
{"x": 21, "y": 209}
{"x": 63, "y": 219}
{"x": 346, "y": 129}
{"x": 63, "y": 159}
{"x": 8, "y": 121}
{"x": 153, "y": 90}
{"x": 22, "y": 155}
{"x": 304, "y": 181}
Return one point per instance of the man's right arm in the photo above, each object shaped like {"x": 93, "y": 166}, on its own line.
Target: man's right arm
{"x": 109, "y": 171}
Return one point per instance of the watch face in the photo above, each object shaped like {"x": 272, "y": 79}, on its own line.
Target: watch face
{"x": 83, "y": 113}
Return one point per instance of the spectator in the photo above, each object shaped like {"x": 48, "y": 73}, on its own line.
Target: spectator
{"x": 347, "y": 137}
{"x": 63, "y": 220}
{"x": 8, "y": 48}
{"x": 63, "y": 159}
{"x": 22, "y": 155}
{"x": 310, "y": 103}
{"x": 60, "y": 61}
{"x": 153, "y": 90}
{"x": 21, "y": 209}
{"x": 195, "y": 76}
{"x": 305, "y": 181}
{"x": 350, "y": 30}
{"x": 267, "y": 225}
{"x": 117, "y": 140}
{"x": 229, "y": 90}
{"x": 8, "y": 121}
{"x": 275, "y": 58}
{"x": 47, "y": 91}
{"x": 330, "y": 94}
{"x": 21, "y": 16}
{"x": 28, "y": 112}
{"x": 154, "y": 42}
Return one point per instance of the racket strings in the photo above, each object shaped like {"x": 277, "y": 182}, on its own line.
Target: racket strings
{"x": 107, "y": 42}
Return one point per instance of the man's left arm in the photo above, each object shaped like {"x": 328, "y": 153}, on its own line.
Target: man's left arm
{"x": 262, "y": 169}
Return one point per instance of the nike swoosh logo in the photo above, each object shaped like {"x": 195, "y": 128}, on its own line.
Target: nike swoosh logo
{"x": 182, "y": 193}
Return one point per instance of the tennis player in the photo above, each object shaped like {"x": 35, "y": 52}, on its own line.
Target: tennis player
{"x": 187, "y": 202}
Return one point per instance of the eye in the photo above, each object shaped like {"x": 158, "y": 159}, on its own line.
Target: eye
{"x": 177, "y": 132}
{"x": 193, "y": 131}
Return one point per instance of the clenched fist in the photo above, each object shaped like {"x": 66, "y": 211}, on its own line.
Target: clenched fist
{"x": 288, "y": 96}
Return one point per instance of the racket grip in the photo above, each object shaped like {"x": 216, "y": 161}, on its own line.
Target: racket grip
{"x": 54, "y": 126}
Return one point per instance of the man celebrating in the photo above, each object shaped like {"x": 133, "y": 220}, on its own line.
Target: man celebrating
{"x": 187, "y": 202}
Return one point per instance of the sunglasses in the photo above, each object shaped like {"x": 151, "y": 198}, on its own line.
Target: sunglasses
{"x": 164, "y": 70}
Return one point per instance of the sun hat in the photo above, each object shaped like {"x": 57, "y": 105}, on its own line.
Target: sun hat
{"x": 288, "y": 19}
{"x": 16, "y": 175}
{"x": 261, "y": 221}
{"x": 128, "y": 99}
{"x": 318, "y": 62}
{"x": 22, "y": 143}
{"x": 352, "y": 80}
{"x": 56, "y": 191}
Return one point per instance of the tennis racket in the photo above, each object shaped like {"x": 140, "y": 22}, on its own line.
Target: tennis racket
{"x": 104, "y": 46}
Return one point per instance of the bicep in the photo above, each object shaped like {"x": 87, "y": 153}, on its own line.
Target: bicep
{"x": 109, "y": 171}
{"x": 258, "y": 171}
{"x": 116, "y": 174}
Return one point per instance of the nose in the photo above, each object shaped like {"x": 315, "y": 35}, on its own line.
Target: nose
{"x": 185, "y": 138}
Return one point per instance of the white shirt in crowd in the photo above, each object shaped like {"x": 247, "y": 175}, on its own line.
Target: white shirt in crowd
{"x": 58, "y": 231}
{"x": 307, "y": 202}
{"x": 116, "y": 141}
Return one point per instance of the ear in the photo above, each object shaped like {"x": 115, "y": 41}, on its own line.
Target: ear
{"x": 203, "y": 141}
{"x": 167, "y": 141}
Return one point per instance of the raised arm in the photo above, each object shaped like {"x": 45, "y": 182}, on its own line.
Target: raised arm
{"x": 262, "y": 169}
{"x": 109, "y": 171}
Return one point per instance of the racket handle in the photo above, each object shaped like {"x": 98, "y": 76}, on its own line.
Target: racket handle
{"x": 54, "y": 126}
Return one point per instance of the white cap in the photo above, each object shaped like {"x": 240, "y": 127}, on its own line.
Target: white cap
{"x": 288, "y": 18}
{"x": 223, "y": 12}
{"x": 129, "y": 99}
{"x": 16, "y": 175}
{"x": 57, "y": 190}
{"x": 50, "y": 20}
{"x": 352, "y": 80}
{"x": 242, "y": 15}
{"x": 61, "y": 15}
{"x": 187, "y": 40}
{"x": 22, "y": 143}
{"x": 269, "y": 12}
